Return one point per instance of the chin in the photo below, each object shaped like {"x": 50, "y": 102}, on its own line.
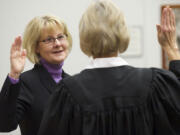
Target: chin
{"x": 58, "y": 61}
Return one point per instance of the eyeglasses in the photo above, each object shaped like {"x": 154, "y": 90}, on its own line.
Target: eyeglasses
{"x": 51, "y": 40}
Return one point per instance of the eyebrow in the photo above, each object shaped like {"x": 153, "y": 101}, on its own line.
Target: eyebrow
{"x": 56, "y": 35}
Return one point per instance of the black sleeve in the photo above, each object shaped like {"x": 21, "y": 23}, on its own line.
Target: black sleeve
{"x": 166, "y": 102}
{"x": 12, "y": 106}
{"x": 174, "y": 66}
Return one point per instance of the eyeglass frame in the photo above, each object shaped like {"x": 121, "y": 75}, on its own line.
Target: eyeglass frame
{"x": 52, "y": 40}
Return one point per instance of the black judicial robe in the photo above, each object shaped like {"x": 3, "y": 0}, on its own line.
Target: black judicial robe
{"x": 23, "y": 103}
{"x": 120, "y": 100}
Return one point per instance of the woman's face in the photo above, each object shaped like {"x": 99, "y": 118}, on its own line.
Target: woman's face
{"x": 53, "y": 46}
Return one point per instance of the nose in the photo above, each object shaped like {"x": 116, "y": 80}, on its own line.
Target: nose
{"x": 57, "y": 43}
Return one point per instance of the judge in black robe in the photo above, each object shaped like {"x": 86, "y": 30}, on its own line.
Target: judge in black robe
{"x": 111, "y": 97}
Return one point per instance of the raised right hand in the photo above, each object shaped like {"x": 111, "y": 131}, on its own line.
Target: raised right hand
{"x": 167, "y": 34}
{"x": 17, "y": 58}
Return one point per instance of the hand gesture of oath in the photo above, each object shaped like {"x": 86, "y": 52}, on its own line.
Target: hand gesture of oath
{"x": 167, "y": 34}
{"x": 17, "y": 58}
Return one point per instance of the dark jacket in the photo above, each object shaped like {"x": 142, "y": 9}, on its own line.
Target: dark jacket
{"x": 24, "y": 103}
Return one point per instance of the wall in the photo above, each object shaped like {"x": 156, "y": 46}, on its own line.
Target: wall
{"x": 15, "y": 14}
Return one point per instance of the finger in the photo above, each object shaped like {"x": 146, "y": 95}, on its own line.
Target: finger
{"x": 168, "y": 24}
{"x": 173, "y": 18}
{"x": 163, "y": 17}
{"x": 24, "y": 53}
{"x": 13, "y": 47}
{"x": 18, "y": 43}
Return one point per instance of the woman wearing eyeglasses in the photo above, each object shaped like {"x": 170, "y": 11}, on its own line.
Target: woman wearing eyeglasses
{"x": 46, "y": 42}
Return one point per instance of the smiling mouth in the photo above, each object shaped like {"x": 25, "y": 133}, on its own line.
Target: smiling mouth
{"x": 58, "y": 51}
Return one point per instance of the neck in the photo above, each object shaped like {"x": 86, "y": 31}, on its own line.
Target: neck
{"x": 55, "y": 70}
{"x": 106, "y": 56}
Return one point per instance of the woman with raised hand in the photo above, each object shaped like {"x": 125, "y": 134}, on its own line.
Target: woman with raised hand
{"x": 23, "y": 98}
{"x": 110, "y": 97}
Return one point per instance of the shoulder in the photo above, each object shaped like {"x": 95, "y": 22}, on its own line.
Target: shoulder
{"x": 91, "y": 84}
{"x": 140, "y": 73}
{"x": 174, "y": 66}
{"x": 32, "y": 73}
{"x": 103, "y": 75}
{"x": 164, "y": 80}
{"x": 150, "y": 74}
{"x": 65, "y": 75}
{"x": 96, "y": 88}
{"x": 114, "y": 71}
{"x": 154, "y": 77}
{"x": 162, "y": 73}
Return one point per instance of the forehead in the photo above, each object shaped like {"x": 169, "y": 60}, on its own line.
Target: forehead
{"x": 51, "y": 31}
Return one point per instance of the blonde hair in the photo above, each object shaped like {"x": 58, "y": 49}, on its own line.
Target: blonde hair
{"x": 102, "y": 30}
{"x": 34, "y": 30}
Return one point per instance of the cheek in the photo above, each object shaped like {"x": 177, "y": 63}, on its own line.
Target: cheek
{"x": 66, "y": 44}
{"x": 43, "y": 52}
{"x": 67, "y": 53}
{"x": 67, "y": 47}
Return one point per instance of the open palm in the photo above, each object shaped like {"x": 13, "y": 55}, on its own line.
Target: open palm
{"x": 167, "y": 31}
{"x": 167, "y": 34}
{"x": 17, "y": 58}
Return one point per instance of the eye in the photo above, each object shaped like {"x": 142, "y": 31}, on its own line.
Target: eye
{"x": 48, "y": 40}
{"x": 60, "y": 37}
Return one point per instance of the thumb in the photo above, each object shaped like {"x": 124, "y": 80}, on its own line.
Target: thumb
{"x": 158, "y": 27}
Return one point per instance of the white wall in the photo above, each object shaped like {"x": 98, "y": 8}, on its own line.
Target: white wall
{"x": 15, "y": 14}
